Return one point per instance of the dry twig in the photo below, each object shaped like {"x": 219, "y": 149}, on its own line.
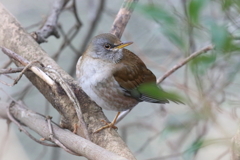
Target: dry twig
{"x": 77, "y": 144}
{"x": 11, "y": 70}
{"x": 183, "y": 62}
{"x": 55, "y": 140}
{"x": 24, "y": 62}
{"x": 72, "y": 97}
{"x": 93, "y": 25}
{"x": 23, "y": 129}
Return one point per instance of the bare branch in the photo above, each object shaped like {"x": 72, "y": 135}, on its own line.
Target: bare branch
{"x": 67, "y": 41}
{"x": 23, "y": 129}
{"x": 183, "y": 62}
{"x": 24, "y": 62}
{"x": 123, "y": 17}
{"x": 74, "y": 6}
{"x": 19, "y": 41}
{"x": 50, "y": 26}
{"x": 11, "y": 70}
{"x": 72, "y": 97}
{"x": 56, "y": 140}
{"x": 75, "y": 143}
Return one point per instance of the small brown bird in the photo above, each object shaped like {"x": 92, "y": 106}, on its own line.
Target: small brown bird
{"x": 114, "y": 77}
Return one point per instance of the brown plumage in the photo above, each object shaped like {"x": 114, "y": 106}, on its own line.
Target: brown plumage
{"x": 132, "y": 71}
{"x": 115, "y": 77}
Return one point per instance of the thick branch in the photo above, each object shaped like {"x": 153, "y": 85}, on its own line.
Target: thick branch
{"x": 123, "y": 17}
{"x": 20, "y": 42}
{"x": 38, "y": 123}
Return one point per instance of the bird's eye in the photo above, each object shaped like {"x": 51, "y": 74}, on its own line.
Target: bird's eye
{"x": 107, "y": 46}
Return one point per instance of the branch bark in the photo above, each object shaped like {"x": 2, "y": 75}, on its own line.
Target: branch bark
{"x": 16, "y": 39}
{"x": 123, "y": 17}
{"x": 50, "y": 26}
{"x": 38, "y": 123}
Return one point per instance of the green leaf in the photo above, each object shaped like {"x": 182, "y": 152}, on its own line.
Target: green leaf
{"x": 167, "y": 21}
{"x": 157, "y": 13}
{"x": 173, "y": 37}
{"x": 194, "y": 9}
{"x": 221, "y": 38}
{"x": 227, "y": 4}
{"x": 195, "y": 146}
{"x": 201, "y": 63}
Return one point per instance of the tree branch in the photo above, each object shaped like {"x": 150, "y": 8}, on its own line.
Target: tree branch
{"x": 16, "y": 39}
{"x": 11, "y": 70}
{"x": 50, "y": 26}
{"x": 123, "y": 17}
{"x": 27, "y": 65}
{"x": 183, "y": 62}
{"x": 38, "y": 123}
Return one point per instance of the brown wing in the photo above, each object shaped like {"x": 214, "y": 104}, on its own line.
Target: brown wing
{"x": 131, "y": 73}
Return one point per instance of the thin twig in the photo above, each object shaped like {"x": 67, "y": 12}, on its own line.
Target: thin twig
{"x": 34, "y": 25}
{"x": 79, "y": 22}
{"x": 37, "y": 123}
{"x": 22, "y": 72}
{"x": 72, "y": 32}
{"x": 72, "y": 97}
{"x": 67, "y": 41}
{"x": 93, "y": 25}
{"x": 186, "y": 60}
{"x": 11, "y": 70}
{"x": 56, "y": 141}
{"x": 23, "y": 129}
{"x": 24, "y": 62}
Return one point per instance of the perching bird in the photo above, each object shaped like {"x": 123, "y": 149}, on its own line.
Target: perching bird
{"x": 114, "y": 77}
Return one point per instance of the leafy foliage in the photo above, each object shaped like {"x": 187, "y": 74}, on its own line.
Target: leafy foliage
{"x": 194, "y": 9}
{"x": 166, "y": 20}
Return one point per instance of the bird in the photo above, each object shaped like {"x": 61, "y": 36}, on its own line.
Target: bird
{"x": 116, "y": 78}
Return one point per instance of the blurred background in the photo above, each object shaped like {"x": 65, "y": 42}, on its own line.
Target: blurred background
{"x": 164, "y": 33}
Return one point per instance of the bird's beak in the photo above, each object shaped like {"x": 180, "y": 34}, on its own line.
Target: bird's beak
{"x": 123, "y": 44}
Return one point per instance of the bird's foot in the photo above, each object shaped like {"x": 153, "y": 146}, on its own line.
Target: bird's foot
{"x": 107, "y": 125}
{"x": 75, "y": 127}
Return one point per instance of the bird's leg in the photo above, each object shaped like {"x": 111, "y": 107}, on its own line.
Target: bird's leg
{"x": 109, "y": 125}
{"x": 122, "y": 115}
{"x": 75, "y": 127}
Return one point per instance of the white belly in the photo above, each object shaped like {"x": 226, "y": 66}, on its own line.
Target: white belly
{"x": 98, "y": 83}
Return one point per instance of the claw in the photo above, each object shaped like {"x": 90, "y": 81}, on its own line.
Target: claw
{"x": 108, "y": 125}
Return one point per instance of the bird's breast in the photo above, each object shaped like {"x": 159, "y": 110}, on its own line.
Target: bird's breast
{"x": 96, "y": 79}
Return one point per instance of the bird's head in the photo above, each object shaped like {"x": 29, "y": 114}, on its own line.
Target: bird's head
{"x": 107, "y": 47}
